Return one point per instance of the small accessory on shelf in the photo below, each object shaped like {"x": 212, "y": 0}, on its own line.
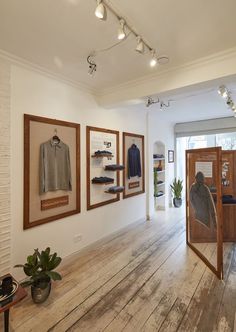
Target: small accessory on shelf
{"x": 114, "y": 167}
{"x": 102, "y": 179}
{"x": 159, "y": 193}
{"x": 115, "y": 189}
{"x": 158, "y": 156}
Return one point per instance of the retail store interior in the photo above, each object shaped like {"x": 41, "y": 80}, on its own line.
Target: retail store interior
{"x": 117, "y": 165}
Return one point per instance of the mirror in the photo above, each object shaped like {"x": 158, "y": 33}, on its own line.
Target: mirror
{"x": 204, "y": 206}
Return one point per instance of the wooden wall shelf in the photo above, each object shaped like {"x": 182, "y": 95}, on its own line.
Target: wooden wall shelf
{"x": 109, "y": 192}
{"x": 102, "y": 156}
{"x": 103, "y": 183}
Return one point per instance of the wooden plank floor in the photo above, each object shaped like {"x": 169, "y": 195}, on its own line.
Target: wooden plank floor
{"x": 144, "y": 278}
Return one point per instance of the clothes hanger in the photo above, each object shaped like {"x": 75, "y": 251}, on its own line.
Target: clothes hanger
{"x": 55, "y": 138}
{"x": 133, "y": 143}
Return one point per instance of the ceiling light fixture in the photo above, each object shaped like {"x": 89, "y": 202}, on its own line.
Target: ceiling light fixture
{"x": 151, "y": 101}
{"x": 140, "y": 45}
{"x": 153, "y": 61}
{"x": 121, "y": 30}
{"x": 100, "y": 11}
{"x": 226, "y": 95}
{"x": 164, "y": 105}
{"x": 223, "y": 92}
{"x": 125, "y": 30}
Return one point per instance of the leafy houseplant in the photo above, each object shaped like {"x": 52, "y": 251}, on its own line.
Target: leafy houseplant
{"x": 39, "y": 268}
{"x": 176, "y": 188}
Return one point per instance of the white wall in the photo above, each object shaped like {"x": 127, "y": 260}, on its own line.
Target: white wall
{"x": 160, "y": 128}
{"x": 5, "y": 199}
{"x": 36, "y": 94}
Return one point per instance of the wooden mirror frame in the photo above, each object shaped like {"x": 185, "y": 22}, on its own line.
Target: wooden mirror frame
{"x": 219, "y": 270}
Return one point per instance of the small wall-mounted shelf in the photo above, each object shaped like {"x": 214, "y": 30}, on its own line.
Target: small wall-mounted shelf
{"x": 102, "y": 183}
{"x": 102, "y": 156}
{"x": 161, "y": 171}
{"x": 114, "y": 170}
{"x": 113, "y": 193}
{"x": 157, "y": 159}
{"x": 160, "y": 184}
{"x": 159, "y": 196}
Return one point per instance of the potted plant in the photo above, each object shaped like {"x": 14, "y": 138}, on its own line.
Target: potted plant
{"x": 176, "y": 188}
{"x": 39, "y": 268}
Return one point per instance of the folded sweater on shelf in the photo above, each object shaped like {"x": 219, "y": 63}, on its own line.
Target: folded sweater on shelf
{"x": 115, "y": 189}
{"x": 102, "y": 152}
{"x": 114, "y": 167}
{"x": 102, "y": 179}
{"x": 158, "y": 156}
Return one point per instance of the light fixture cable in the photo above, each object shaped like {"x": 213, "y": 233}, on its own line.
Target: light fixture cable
{"x": 141, "y": 43}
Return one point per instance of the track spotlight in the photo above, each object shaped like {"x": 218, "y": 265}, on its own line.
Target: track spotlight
{"x": 153, "y": 61}
{"x": 223, "y": 92}
{"x": 151, "y": 101}
{"x": 100, "y": 11}
{"x": 226, "y": 94}
{"x": 121, "y": 30}
{"x": 140, "y": 45}
{"x": 124, "y": 30}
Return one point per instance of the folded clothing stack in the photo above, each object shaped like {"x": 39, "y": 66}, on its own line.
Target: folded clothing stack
{"x": 102, "y": 179}
{"x": 102, "y": 152}
{"x": 228, "y": 199}
{"x": 158, "y": 156}
{"x": 114, "y": 167}
{"x": 115, "y": 189}
{"x": 159, "y": 193}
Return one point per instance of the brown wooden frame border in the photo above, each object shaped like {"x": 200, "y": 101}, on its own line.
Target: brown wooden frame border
{"x": 219, "y": 271}
{"x": 27, "y": 119}
{"x": 117, "y": 196}
{"x": 143, "y": 165}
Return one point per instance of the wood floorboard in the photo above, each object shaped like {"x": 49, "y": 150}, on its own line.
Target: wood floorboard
{"x": 143, "y": 278}
{"x": 203, "y": 308}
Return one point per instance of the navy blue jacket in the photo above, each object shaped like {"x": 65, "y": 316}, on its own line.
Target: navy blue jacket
{"x": 134, "y": 163}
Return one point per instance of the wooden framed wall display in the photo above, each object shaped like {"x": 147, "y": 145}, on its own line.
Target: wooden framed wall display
{"x": 51, "y": 170}
{"x": 133, "y": 159}
{"x": 103, "y": 177}
{"x": 204, "y": 206}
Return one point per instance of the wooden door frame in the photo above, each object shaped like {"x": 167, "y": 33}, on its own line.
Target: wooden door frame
{"x": 219, "y": 271}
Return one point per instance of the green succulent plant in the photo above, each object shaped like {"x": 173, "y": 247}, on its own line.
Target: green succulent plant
{"x": 176, "y": 188}
{"x": 39, "y": 267}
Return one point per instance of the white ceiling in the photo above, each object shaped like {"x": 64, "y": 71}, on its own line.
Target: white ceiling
{"x": 59, "y": 34}
{"x": 194, "y": 103}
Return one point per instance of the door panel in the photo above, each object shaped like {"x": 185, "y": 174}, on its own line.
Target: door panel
{"x": 204, "y": 206}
